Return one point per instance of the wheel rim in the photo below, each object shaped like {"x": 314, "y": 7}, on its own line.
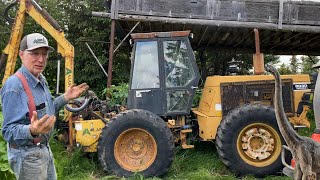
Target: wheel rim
{"x": 135, "y": 150}
{"x": 259, "y": 144}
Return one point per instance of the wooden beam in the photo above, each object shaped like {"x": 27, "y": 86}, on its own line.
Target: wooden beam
{"x": 251, "y": 51}
{"x": 214, "y": 36}
{"x": 232, "y": 24}
{"x": 243, "y": 39}
{"x": 205, "y": 31}
{"x": 298, "y": 41}
{"x": 307, "y": 42}
{"x": 286, "y": 39}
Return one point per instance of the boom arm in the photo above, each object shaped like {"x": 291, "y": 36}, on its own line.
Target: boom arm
{"x": 65, "y": 48}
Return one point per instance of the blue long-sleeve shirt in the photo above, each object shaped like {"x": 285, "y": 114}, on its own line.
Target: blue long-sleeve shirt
{"x": 15, "y": 128}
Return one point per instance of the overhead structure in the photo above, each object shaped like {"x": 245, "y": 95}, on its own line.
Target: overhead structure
{"x": 285, "y": 27}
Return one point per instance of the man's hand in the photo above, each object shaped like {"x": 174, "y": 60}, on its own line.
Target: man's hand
{"x": 74, "y": 91}
{"x": 41, "y": 126}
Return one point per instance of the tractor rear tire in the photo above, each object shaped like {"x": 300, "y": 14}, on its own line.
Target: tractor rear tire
{"x": 136, "y": 141}
{"x": 248, "y": 141}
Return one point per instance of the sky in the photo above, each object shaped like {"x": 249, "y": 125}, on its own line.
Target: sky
{"x": 286, "y": 59}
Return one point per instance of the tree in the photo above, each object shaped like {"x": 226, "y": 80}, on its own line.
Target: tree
{"x": 216, "y": 63}
{"x": 307, "y": 63}
{"x": 283, "y": 69}
{"x": 79, "y": 27}
{"x": 294, "y": 65}
{"x": 4, "y": 28}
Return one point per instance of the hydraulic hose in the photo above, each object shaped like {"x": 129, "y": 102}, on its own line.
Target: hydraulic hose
{"x": 84, "y": 105}
{"x": 98, "y": 116}
{"x": 7, "y": 17}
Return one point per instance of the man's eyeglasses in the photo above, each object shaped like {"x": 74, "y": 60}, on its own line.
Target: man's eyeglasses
{"x": 37, "y": 54}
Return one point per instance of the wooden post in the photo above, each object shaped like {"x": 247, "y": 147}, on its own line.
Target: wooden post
{"x": 258, "y": 59}
{"x": 109, "y": 82}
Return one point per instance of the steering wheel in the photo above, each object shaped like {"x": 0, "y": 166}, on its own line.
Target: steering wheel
{"x": 88, "y": 97}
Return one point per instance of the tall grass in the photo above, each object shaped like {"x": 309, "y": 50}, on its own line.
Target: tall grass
{"x": 200, "y": 163}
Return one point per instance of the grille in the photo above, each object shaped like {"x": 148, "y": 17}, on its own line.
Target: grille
{"x": 240, "y": 93}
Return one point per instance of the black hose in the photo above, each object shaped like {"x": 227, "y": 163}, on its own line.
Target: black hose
{"x": 98, "y": 116}
{"x": 87, "y": 100}
{"x": 7, "y": 17}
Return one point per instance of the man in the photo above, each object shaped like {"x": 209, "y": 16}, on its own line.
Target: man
{"x": 29, "y": 153}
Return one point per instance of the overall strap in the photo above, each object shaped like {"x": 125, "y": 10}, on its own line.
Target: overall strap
{"x": 31, "y": 104}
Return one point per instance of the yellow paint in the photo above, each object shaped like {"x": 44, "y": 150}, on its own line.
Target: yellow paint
{"x": 88, "y": 133}
{"x": 12, "y": 48}
{"x": 207, "y": 125}
{"x": 135, "y": 150}
{"x": 209, "y": 112}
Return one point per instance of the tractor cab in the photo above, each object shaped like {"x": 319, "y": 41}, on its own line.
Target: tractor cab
{"x": 164, "y": 73}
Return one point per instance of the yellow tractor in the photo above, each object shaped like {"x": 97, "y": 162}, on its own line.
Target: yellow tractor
{"x": 234, "y": 111}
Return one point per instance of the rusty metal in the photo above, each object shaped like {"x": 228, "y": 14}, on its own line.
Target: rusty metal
{"x": 135, "y": 150}
{"x": 47, "y": 16}
{"x": 111, "y": 53}
{"x": 238, "y": 94}
{"x": 258, "y": 144}
{"x": 160, "y": 34}
{"x": 257, "y": 41}
{"x": 258, "y": 60}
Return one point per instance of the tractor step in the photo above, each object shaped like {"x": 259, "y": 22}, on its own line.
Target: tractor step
{"x": 183, "y": 138}
{"x": 187, "y": 146}
{"x": 186, "y": 131}
{"x": 299, "y": 126}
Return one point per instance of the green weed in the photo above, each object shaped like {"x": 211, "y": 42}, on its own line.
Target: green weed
{"x": 201, "y": 163}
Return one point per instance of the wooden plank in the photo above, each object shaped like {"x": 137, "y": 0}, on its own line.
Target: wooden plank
{"x": 291, "y": 36}
{"x": 294, "y": 12}
{"x": 203, "y": 35}
{"x": 244, "y": 38}
{"x": 235, "y": 24}
{"x": 307, "y": 41}
{"x": 213, "y": 37}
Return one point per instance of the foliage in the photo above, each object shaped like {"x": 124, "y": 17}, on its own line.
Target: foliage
{"x": 216, "y": 63}
{"x": 75, "y": 164}
{"x": 197, "y": 97}
{"x": 307, "y": 63}
{"x": 308, "y": 131}
{"x": 283, "y": 69}
{"x": 4, "y": 28}
{"x": 5, "y": 171}
{"x": 117, "y": 95}
{"x": 297, "y": 66}
{"x": 294, "y": 65}
{"x": 202, "y": 162}
{"x": 79, "y": 27}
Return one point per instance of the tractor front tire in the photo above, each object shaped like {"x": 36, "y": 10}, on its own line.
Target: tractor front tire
{"x": 248, "y": 141}
{"x": 136, "y": 141}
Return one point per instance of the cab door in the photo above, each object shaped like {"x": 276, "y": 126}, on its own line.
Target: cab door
{"x": 145, "y": 90}
{"x": 181, "y": 75}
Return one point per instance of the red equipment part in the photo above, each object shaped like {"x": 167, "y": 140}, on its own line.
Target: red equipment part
{"x": 314, "y": 136}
